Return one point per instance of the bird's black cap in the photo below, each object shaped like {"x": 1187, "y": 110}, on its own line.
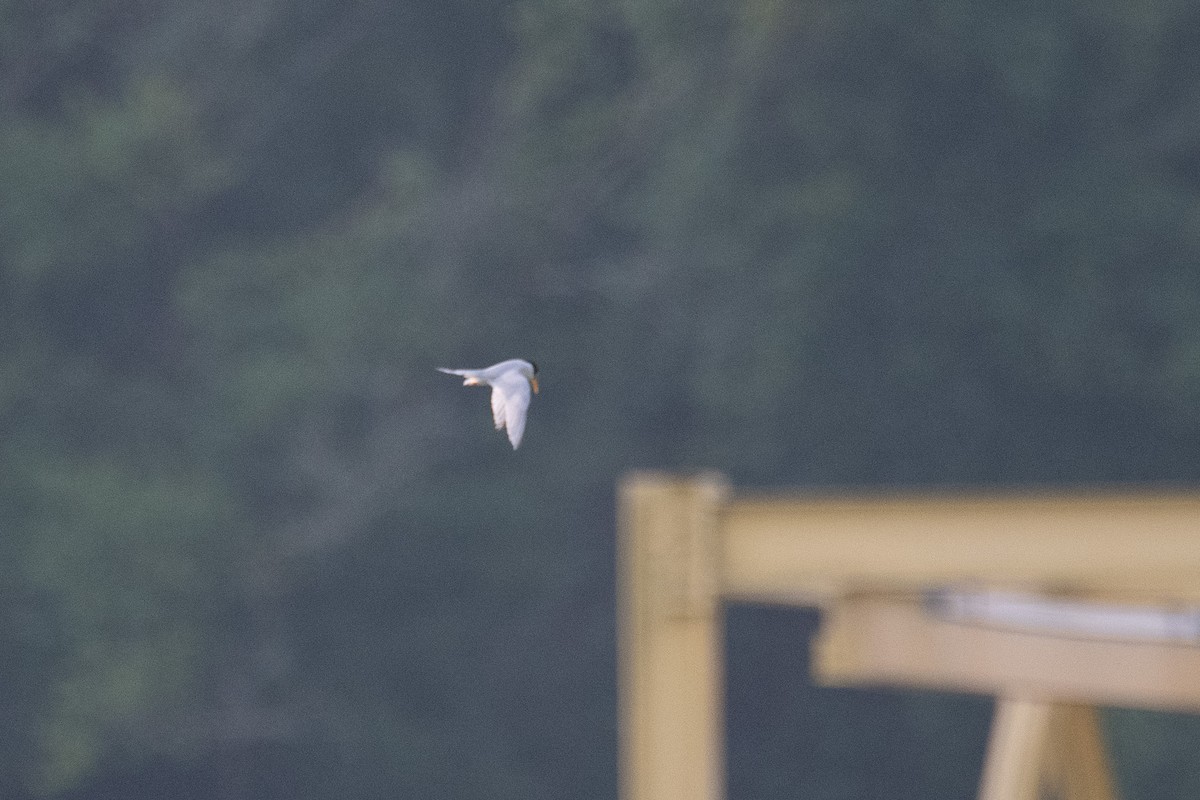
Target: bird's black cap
{"x": 535, "y": 369}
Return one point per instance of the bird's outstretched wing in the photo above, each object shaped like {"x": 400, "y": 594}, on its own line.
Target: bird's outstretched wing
{"x": 471, "y": 376}
{"x": 510, "y": 397}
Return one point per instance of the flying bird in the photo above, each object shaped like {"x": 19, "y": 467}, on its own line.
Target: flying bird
{"x": 510, "y": 381}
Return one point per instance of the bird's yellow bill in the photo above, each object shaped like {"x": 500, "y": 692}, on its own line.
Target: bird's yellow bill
{"x": 533, "y": 383}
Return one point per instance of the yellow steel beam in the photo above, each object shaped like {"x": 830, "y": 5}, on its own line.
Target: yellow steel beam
{"x": 805, "y": 550}
{"x": 684, "y": 546}
{"x": 895, "y": 641}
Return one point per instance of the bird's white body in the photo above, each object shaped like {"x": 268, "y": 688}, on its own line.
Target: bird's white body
{"x": 511, "y": 382}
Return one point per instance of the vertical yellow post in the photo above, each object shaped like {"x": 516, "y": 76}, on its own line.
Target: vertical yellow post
{"x": 670, "y": 638}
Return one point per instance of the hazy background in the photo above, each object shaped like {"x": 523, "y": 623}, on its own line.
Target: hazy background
{"x": 252, "y": 547}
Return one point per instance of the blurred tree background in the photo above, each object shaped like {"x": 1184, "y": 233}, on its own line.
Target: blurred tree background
{"x": 255, "y": 547}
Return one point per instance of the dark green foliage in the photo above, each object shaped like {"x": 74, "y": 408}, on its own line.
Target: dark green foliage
{"x": 254, "y": 546}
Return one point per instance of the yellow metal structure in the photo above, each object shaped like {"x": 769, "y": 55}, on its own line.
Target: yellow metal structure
{"x": 670, "y": 639}
{"x": 688, "y": 545}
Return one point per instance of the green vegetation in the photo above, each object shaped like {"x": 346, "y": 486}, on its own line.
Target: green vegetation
{"x": 253, "y": 545}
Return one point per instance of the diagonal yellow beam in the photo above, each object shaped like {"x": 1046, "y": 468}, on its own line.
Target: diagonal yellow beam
{"x": 1017, "y": 748}
{"x": 1037, "y": 745}
{"x": 1078, "y": 763}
